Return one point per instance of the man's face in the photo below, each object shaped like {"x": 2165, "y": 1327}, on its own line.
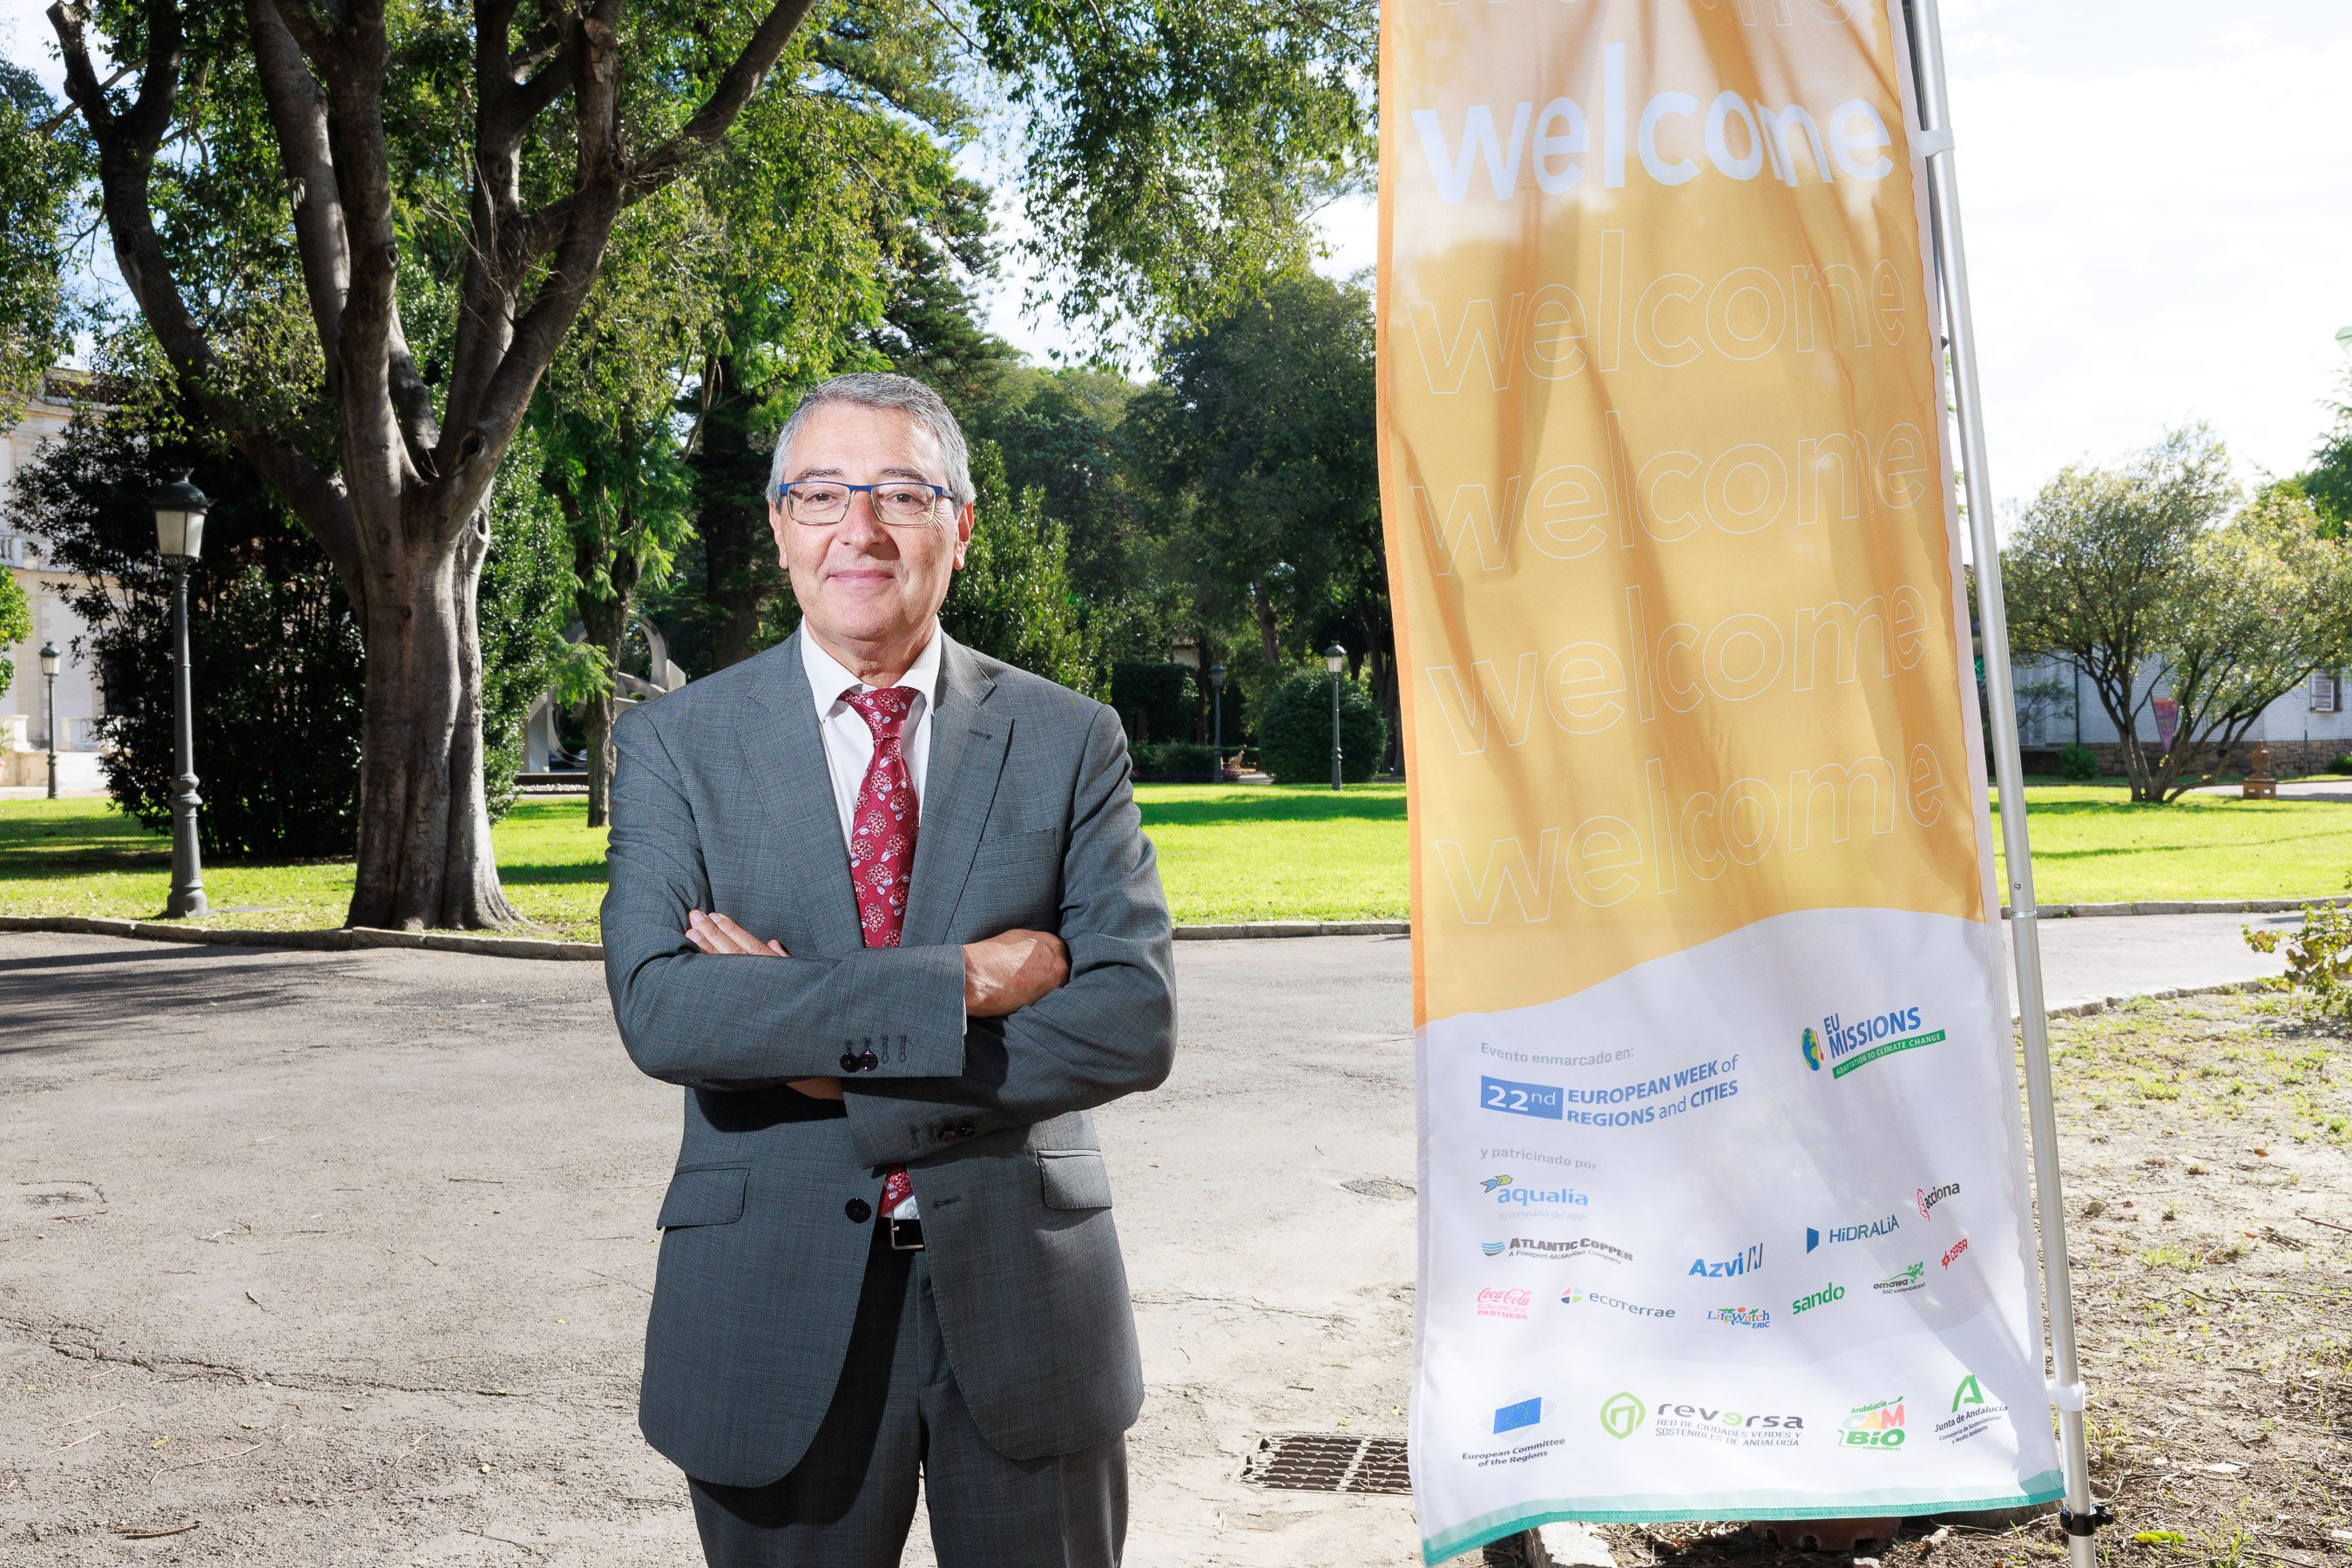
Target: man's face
{"x": 860, "y": 583}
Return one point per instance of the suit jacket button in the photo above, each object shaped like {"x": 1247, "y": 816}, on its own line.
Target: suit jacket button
{"x": 865, "y": 1059}
{"x": 963, "y": 1129}
{"x": 848, "y": 1062}
{"x": 858, "y": 1210}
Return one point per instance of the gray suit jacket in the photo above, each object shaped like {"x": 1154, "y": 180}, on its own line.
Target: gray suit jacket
{"x": 722, "y": 801}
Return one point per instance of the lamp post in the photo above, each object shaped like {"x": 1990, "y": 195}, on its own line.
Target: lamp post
{"x": 1335, "y": 659}
{"x": 49, "y": 675}
{"x": 1217, "y": 723}
{"x": 179, "y": 510}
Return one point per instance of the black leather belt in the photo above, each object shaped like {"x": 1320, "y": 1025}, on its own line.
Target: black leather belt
{"x": 906, "y": 1235}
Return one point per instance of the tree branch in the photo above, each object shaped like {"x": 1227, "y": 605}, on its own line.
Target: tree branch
{"x": 726, "y": 101}
{"x": 297, "y": 111}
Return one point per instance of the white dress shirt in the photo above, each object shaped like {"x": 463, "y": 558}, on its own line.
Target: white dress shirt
{"x": 849, "y": 741}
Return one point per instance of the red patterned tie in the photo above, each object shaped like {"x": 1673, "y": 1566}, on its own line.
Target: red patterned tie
{"x": 882, "y": 850}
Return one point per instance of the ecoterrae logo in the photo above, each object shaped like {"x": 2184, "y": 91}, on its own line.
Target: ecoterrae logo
{"x": 1621, "y": 1415}
{"x": 1811, "y": 1043}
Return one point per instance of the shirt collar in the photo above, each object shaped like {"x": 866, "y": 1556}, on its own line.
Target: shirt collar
{"x": 828, "y": 678}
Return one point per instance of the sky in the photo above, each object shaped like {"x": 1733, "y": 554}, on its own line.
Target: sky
{"x": 2157, "y": 196}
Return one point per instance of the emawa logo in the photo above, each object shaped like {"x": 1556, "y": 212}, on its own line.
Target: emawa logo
{"x": 1731, "y": 1268}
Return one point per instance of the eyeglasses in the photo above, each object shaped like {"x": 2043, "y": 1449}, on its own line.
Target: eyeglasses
{"x": 902, "y": 503}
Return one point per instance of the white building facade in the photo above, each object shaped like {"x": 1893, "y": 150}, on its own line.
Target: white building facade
{"x": 2306, "y": 729}
{"x": 24, "y": 706}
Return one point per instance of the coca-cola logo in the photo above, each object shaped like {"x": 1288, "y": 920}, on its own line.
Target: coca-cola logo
{"x": 1505, "y": 1303}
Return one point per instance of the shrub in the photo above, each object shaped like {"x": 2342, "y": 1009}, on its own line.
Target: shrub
{"x": 1178, "y": 761}
{"x": 1155, "y": 701}
{"x": 2319, "y": 960}
{"x": 2078, "y": 763}
{"x": 2341, "y": 765}
{"x": 1294, "y": 733}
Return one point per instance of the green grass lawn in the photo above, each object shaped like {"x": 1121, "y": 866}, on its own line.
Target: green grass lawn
{"x": 1227, "y": 853}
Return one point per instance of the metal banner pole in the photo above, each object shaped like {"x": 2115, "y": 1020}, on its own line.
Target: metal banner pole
{"x": 2081, "y": 1515}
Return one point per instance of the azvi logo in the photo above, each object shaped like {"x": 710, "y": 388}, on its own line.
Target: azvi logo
{"x": 1731, "y": 1268}
{"x": 1621, "y": 1415}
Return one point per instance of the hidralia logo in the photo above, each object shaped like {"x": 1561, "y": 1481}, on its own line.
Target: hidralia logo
{"x": 1526, "y": 1413}
{"x": 1621, "y": 1415}
{"x": 1860, "y": 1231}
{"x": 1882, "y": 1035}
{"x": 1878, "y": 1426}
{"x": 1929, "y": 1199}
{"x": 1731, "y": 1268}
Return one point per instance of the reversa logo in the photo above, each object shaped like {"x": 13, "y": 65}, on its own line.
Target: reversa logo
{"x": 1621, "y": 1415}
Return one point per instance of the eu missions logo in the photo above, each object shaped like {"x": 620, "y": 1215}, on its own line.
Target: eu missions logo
{"x": 1811, "y": 1043}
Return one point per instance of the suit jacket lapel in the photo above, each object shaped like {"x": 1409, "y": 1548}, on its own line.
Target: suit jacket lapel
{"x": 785, "y": 756}
{"x": 967, "y": 758}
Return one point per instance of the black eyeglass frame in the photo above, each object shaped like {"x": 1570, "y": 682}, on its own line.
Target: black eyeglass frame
{"x": 939, "y": 494}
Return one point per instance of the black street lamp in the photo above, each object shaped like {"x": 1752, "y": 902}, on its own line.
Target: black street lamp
{"x": 1217, "y": 723}
{"x": 49, "y": 675}
{"x": 179, "y": 510}
{"x": 1335, "y": 659}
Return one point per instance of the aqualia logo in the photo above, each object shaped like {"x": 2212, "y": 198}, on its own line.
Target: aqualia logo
{"x": 1621, "y": 1415}
{"x": 1508, "y": 1193}
{"x": 1877, "y": 1426}
{"x": 1811, "y": 1043}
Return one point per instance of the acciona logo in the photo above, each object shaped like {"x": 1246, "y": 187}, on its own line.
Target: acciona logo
{"x": 1930, "y": 1197}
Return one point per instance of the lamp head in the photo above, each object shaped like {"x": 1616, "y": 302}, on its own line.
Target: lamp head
{"x": 48, "y": 658}
{"x": 1216, "y": 677}
{"x": 1335, "y": 658}
{"x": 179, "y": 510}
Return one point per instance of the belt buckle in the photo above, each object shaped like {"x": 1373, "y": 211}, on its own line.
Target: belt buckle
{"x": 906, "y": 1235}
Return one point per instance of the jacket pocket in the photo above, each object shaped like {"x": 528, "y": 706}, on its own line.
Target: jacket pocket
{"x": 1074, "y": 1178}
{"x": 704, "y": 1194}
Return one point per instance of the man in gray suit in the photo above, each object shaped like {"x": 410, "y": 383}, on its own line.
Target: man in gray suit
{"x": 884, "y": 907}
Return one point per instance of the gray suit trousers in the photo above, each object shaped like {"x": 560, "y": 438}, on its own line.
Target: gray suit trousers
{"x": 897, "y": 1413}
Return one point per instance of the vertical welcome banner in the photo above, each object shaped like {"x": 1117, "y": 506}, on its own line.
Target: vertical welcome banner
{"x": 1723, "y": 1210}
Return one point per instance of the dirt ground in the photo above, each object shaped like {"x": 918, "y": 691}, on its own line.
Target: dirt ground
{"x": 2208, "y": 1149}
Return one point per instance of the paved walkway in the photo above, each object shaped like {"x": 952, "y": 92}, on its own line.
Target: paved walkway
{"x": 345, "y": 1257}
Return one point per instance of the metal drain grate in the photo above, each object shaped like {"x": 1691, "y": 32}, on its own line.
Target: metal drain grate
{"x": 1328, "y": 1462}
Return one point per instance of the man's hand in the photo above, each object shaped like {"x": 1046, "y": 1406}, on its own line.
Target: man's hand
{"x": 714, "y": 933}
{"x": 1006, "y": 972}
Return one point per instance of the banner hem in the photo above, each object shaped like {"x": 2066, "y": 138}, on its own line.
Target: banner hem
{"x": 2047, "y": 1487}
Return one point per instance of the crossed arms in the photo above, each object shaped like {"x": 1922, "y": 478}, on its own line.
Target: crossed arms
{"x": 1004, "y": 1032}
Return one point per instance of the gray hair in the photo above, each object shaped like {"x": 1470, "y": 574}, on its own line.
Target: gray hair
{"x": 880, "y": 389}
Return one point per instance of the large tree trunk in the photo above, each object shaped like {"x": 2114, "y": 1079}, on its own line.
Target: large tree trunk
{"x": 605, "y": 621}
{"x": 425, "y": 856}
{"x": 1269, "y": 634}
{"x": 739, "y": 554}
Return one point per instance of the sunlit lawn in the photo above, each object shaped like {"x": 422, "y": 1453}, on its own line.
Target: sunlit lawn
{"x": 1227, "y": 853}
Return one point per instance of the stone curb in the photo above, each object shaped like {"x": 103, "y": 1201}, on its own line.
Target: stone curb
{"x": 348, "y": 938}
